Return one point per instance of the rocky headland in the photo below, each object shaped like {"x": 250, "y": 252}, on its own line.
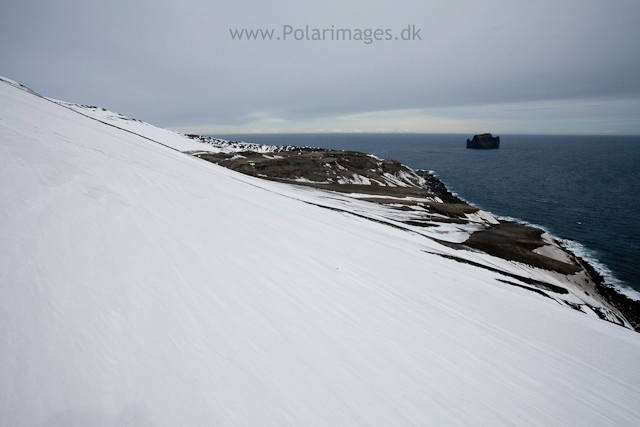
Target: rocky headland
{"x": 418, "y": 200}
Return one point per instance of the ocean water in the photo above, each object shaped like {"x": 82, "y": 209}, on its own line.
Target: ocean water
{"x": 582, "y": 189}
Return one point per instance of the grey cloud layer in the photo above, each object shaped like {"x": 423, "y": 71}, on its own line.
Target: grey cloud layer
{"x": 176, "y": 64}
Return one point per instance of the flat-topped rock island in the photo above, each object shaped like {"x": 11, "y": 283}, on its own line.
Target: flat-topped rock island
{"x": 484, "y": 141}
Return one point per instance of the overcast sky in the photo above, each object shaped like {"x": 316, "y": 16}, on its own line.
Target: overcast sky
{"x": 474, "y": 66}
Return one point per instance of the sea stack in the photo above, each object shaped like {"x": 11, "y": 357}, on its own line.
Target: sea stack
{"x": 486, "y": 140}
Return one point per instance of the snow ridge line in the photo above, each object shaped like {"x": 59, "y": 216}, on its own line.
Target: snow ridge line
{"x": 26, "y": 89}
{"x": 113, "y": 126}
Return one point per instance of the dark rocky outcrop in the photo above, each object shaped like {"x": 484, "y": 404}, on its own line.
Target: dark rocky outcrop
{"x": 516, "y": 242}
{"x": 438, "y": 187}
{"x": 485, "y": 140}
{"x": 628, "y": 307}
{"x": 319, "y": 166}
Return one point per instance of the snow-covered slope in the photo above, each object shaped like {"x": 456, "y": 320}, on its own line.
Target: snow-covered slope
{"x": 180, "y": 142}
{"x": 198, "y": 145}
{"x": 142, "y": 286}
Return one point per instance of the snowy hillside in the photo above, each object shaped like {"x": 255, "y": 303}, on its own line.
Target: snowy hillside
{"x": 172, "y": 139}
{"x": 144, "y": 286}
{"x": 223, "y": 149}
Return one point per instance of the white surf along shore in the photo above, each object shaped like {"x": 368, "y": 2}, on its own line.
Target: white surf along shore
{"x": 144, "y": 286}
{"x": 571, "y": 246}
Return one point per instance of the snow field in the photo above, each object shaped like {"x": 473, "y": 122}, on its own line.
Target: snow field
{"x": 144, "y": 286}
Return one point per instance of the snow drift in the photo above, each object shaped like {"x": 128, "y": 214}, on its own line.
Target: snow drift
{"x": 142, "y": 286}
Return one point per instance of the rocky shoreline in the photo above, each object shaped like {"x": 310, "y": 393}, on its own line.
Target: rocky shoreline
{"x": 427, "y": 203}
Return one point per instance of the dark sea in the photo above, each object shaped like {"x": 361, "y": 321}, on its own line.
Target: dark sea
{"x": 584, "y": 190}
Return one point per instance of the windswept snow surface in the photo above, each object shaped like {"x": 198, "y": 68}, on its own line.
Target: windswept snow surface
{"x": 169, "y": 138}
{"x": 142, "y": 286}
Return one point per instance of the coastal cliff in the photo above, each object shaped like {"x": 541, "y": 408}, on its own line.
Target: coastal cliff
{"x": 484, "y": 141}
